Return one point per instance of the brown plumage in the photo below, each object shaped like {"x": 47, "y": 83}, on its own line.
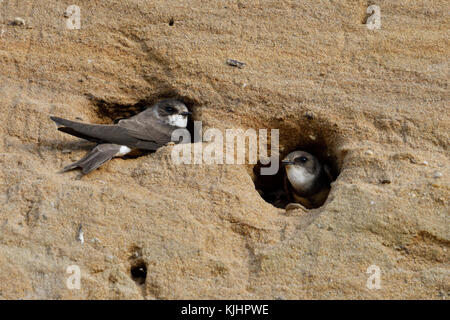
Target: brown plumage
{"x": 306, "y": 180}
{"x": 148, "y": 130}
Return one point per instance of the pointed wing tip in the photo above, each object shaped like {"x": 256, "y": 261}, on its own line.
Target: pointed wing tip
{"x": 71, "y": 167}
{"x": 57, "y": 120}
{"x": 68, "y": 168}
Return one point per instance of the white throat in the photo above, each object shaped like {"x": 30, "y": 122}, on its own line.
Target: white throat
{"x": 299, "y": 177}
{"x": 177, "y": 120}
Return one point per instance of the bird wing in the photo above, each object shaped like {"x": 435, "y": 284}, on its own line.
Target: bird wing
{"x": 105, "y": 133}
{"x": 146, "y": 128}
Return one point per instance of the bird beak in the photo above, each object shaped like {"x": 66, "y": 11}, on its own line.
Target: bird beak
{"x": 186, "y": 113}
{"x": 287, "y": 162}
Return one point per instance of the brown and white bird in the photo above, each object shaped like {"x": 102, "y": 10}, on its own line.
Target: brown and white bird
{"x": 306, "y": 181}
{"x": 148, "y": 130}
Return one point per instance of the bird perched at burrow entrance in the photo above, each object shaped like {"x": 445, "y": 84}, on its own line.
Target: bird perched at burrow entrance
{"x": 148, "y": 130}
{"x": 307, "y": 181}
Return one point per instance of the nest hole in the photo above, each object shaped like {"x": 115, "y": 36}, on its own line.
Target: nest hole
{"x": 138, "y": 272}
{"x": 274, "y": 189}
{"x": 113, "y": 112}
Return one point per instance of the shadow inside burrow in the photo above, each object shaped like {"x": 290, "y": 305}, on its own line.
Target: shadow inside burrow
{"x": 274, "y": 188}
{"x": 118, "y": 111}
{"x": 113, "y": 112}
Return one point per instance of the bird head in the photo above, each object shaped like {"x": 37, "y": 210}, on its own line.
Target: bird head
{"x": 302, "y": 168}
{"x": 172, "y": 112}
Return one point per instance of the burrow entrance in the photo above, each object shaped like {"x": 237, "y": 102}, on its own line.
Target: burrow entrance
{"x": 116, "y": 111}
{"x": 113, "y": 112}
{"x": 138, "y": 267}
{"x": 310, "y": 136}
{"x": 138, "y": 272}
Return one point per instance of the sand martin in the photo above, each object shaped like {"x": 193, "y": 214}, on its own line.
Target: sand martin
{"x": 306, "y": 181}
{"x": 148, "y": 130}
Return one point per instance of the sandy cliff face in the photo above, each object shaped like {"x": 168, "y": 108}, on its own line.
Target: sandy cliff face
{"x": 379, "y": 101}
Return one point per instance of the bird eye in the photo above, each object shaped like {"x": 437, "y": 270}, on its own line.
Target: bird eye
{"x": 170, "y": 109}
{"x": 302, "y": 159}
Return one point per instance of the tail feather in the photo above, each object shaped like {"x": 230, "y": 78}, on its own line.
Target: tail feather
{"x": 95, "y": 158}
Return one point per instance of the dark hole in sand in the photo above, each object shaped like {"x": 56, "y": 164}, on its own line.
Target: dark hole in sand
{"x": 139, "y": 272}
{"x": 272, "y": 187}
{"x": 115, "y": 112}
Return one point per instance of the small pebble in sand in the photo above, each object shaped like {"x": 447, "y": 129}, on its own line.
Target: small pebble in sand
{"x": 425, "y": 163}
{"x": 372, "y": 203}
{"x": 368, "y": 152}
{"x": 95, "y": 240}
{"x": 312, "y": 137}
{"x": 18, "y": 22}
{"x": 437, "y": 174}
{"x": 235, "y": 63}
{"x": 80, "y": 234}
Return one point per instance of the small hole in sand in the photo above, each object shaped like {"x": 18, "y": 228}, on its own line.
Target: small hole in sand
{"x": 278, "y": 190}
{"x": 139, "y": 272}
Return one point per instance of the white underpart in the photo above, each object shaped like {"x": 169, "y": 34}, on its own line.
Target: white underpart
{"x": 178, "y": 120}
{"x": 122, "y": 151}
{"x": 299, "y": 177}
